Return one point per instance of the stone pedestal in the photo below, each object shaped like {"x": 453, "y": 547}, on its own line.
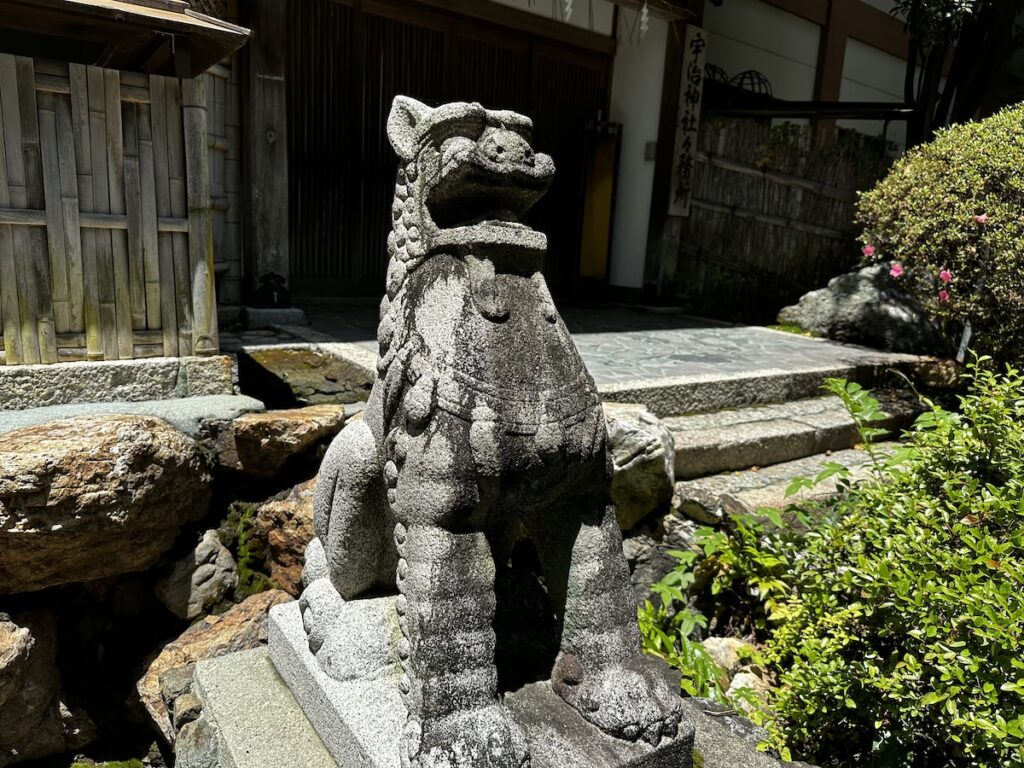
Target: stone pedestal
{"x": 360, "y": 721}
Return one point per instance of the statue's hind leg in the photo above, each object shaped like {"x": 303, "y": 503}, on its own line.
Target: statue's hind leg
{"x": 601, "y": 670}
{"x": 446, "y": 607}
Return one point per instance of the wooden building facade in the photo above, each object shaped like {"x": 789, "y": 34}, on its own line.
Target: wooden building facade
{"x": 106, "y": 225}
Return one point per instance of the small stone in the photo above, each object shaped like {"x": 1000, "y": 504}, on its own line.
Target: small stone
{"x": 198, "y": 746}
{"x": 696, "y": 504}
{"x": 727, "y": 652}
{"x": 176, "y": 682}
{"x": 748, "y": 679}
{"x": 643, "y": 455}
{"x": 200, "y": 580}
{"x": 187, "y": 709}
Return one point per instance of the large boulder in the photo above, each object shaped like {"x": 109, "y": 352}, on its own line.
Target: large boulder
{"x": 35, "y": 721}
{"x": 200, "y": 580}
{"x": 284, "y": 527}
{"x": 643, "y": 455}
{"x": 868, "y": 307}
{"x": 93, "y": 497}
{"x": 169, "y": 675}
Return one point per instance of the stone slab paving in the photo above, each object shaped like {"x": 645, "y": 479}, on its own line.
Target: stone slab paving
{"x": 707, "y": 499}
{"x": 673, "y": 363}
{"x": 184, "y": 414}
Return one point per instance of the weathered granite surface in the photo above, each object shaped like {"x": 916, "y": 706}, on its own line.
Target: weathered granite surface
{"x": 161, "y": 378}
{"x": 84, "y": 499}
{"x": 35, "y": 720}
{"x": 868, "y": 307}
{"x": 483, "y": 427}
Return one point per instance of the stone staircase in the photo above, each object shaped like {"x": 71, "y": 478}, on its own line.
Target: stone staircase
{"x": 743, "y": 454}
{"x": 762, "y": 435}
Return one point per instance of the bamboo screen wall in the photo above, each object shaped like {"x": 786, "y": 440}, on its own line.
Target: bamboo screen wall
{"x": 105, "y": 235}
{"x": 772, "y": 215}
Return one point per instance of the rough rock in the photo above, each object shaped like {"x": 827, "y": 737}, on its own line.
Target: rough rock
{"x": 84, "y": 499}
{"x": 240, "y": 628}
{"x": 34, "y": 719}
{"x": 748, "y": 679}
{"x": 285, "y": 527}
{"x": 199, "y": 580}
{"x": 868, "y": 307}
{"x": 198, "y": 746}
{"x": 302, "y": 374}
{"x": 262, "y": 443}
{"x": 727, "y": 652}
{"x": 646, "y": 549}
{"x": 643, "y": 454}
{"x": 724, "y": 740}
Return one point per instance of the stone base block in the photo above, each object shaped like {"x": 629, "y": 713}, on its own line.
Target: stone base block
{"x": 111, "y": 381}
{"x": 360, "y": 721}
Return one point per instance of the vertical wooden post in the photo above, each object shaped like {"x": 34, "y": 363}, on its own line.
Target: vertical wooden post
{"x": 266, "y": 236}
{"x": 828, "y": 77}
{"x": 200, "y": 229}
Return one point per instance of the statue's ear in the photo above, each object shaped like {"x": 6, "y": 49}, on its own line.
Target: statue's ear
{"x": 405, "y": 115}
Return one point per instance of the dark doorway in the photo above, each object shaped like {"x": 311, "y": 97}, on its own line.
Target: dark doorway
{"x": 346, "y": 62}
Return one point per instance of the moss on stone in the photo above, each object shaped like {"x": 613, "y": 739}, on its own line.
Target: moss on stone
{"x": 237, "y": 533}
{"x": 698, "y": 758}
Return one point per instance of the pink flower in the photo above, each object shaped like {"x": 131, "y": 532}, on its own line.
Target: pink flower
{"x": 946, "y": 276}
{"x": 982, "y": 219}
{"x": 868, "y": 251}
{"x": 943, "y": 295}
{"x": 896, "y": 269}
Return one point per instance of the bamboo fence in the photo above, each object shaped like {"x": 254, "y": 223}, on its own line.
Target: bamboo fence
{"x": 106, "y": 242}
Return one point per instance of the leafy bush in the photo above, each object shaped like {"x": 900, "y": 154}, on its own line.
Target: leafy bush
{"x": 949, "y": 213}
{"x": 894, "y": 624}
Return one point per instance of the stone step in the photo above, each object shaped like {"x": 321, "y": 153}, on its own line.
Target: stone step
{"x": 709, "y": 392}
{"x": 708, "y": 499}
{"x": 757, "y": 436}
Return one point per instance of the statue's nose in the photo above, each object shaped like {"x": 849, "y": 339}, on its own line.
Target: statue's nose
{"x": 507, "y": 148}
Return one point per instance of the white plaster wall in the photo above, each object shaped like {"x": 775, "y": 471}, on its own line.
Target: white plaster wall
{"x": 749, "y": 34}
{"x": 872, "y": 75}
{"x": 595, "y": 15}
{"x": 636, "y": 103}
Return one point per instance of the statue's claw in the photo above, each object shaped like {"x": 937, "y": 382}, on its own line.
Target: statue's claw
{"x": 630, "y": 701}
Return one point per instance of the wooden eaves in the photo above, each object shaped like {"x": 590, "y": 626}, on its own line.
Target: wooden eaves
{"x": 154, "y": 36}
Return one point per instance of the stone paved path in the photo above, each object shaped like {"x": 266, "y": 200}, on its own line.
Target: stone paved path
{"x": 622, "y": 345}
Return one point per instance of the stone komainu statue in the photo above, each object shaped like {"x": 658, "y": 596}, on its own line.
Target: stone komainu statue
{"x": 483, "y": 427}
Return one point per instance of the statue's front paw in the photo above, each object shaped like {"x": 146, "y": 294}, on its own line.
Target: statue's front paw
{"x": 467, "y": 740}
{"x": 631, "y": 700}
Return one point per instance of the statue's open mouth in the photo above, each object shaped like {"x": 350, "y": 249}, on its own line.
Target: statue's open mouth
{"x": 481, "y": 202}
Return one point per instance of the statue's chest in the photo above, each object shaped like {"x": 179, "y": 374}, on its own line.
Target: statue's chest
{"x": 521, "y": 370}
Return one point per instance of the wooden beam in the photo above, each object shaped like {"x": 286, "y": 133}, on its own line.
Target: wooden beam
{"x": 266, "y": 154}
{"x": 503, "y": 16}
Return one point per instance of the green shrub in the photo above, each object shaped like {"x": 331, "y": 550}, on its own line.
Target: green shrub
{"x": 894, "y": 625}
{"x": 924, "y": 217}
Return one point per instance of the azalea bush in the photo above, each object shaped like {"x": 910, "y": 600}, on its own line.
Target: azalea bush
{"x": 948, "y": 220}
{"x": 893, "y": 624}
